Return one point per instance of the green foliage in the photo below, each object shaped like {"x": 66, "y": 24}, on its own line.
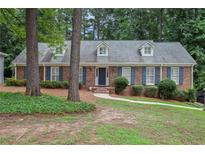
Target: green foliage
{"x": 191, "y": 95}
{"x": 54, "y": 84}
{"x": 44, "y": 84}
{"x": 180, "y": 95}
{"x": 167, "y": 88}
{"x": 150, "y": 91}
{"x": 13, "y": 82}
{"x": 137, "y": 89}
{"x": 20, "y": 103}
{"x": 120, "y": 84}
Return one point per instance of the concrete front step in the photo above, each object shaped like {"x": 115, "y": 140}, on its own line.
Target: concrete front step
{"x": 104, "y": 90}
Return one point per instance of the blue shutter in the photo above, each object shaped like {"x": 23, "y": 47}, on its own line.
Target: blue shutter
{"x": 84, "y": 75}
{"x": 61, "y": 73}
{"x": 132, "y": 75}
{"x": 157, "y": 74}
{"x": 48, "y": 73}
{"x": 181, "y": 75}
{"x": 144, "y": 75}
{"x": 119, "y": 71}
{"x": 169, "y": 72}
{"x": 25, "y": 72}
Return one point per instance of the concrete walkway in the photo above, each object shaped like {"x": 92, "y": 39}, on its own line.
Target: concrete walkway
{"x": 107, "y": 96}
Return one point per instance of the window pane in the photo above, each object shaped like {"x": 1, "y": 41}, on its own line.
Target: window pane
{"x": 55, "y": 73}
{"x": 126, "y": 72}
{"x": 175, "y": 74}
{"x": 81, "y": 74}
{"x": 150, "y": 75}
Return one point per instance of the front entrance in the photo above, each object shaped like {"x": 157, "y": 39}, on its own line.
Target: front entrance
{"x": 102, "y": 76}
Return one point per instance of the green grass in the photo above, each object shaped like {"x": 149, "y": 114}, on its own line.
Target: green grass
{"x": 19, "y": 103}
{"x": 162, "y": 124}
{"x": 162, "y": 101}
{"x": 118, "y": 135}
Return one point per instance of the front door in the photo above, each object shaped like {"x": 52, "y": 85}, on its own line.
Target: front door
{"x": 102, "y": 76}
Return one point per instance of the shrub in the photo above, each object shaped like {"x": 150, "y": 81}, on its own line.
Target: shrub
{"x": 14, "y": 82}
{"x": 180, "y": 95}
{"x": 191, "y": 95}
{"x": 120, "y": 84}
{"x": 167, "y": 88}
{"x": 137, "y": 89}
{"x": 150, "y": 91}
{"x": 54, "y": 84}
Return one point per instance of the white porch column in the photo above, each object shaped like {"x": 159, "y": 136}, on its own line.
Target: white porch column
{"x": 15, "y": 72}
{"x": 44, "y": 73}
{"x": 161, "y": 72}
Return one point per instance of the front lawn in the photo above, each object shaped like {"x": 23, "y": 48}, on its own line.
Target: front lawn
{"x": 19, "y": 103}
{"x": 162, "y": 124}
{"x": 110, "y": 134}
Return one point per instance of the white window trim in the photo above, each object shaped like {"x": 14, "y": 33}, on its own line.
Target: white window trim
{"x": 148, "y": 83}
{"x": 52, "y": 74}
{"x": 151, "y": 50}
{"x": 129, "y": 79}
{"x": 81, "y": 74}
{"x": 106, "y": 49}
{"x": 177, "y": 82}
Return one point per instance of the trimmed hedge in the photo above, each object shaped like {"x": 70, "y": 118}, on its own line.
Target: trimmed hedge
{"x": 150, "y": 91}
{"x": 43, "y": 84}
{"x": 137, "y": 89}
{"x": 54, "y": 84}
{"x": 120, "y": 84}
{"x": 13, "y": 82}
{"x": 167, "y": 88}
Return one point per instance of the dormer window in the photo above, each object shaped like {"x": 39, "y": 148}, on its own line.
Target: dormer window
{"x": 147, "y": 51}
{"x": 102, "y": 49}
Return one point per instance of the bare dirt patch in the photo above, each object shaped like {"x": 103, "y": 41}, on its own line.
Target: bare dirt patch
{"x": 44, "y": 129}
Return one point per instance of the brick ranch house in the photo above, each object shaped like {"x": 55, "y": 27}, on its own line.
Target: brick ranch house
{"x": 140, "y": 61}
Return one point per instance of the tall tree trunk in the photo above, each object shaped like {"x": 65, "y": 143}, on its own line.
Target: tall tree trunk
{"x": 73, "y": 93}
{"x": 32, "y": 86}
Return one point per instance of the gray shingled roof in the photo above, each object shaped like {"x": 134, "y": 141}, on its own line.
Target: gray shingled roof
{"x": 120, "y": 52}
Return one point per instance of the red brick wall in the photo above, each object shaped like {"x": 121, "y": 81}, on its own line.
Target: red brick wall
{"x": 90, "y": 76}
{"x": 138, "y": 75}
{"x": 187, "y": 77}
{"x": 112, "y": 75}
{"x": 41, "y": 72}
{"x": 66, "y": 72}
{"x": 20, "y": 72}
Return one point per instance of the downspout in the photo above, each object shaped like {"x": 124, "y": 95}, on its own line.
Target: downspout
{"x": 192, "y": 76}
